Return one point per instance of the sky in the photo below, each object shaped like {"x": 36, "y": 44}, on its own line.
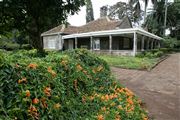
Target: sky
{"x": 80, "y": 18}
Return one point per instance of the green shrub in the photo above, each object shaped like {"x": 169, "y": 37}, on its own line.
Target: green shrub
{"x": 11, "y": 46}
{"x": 155, "y": 53}
{"x": 171, "y": 43}
{"x": 149, "y": 55}
{"x": 75, "y": 85}
{"x": 165, "y": 50}
{"x": 159, "y": 54}
{"x": 26, "y": 47}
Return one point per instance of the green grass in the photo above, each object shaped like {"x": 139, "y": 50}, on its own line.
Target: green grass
{"x": 130, "y": 62}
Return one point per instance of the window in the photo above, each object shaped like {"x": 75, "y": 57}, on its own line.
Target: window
{"x": 126, "y": 43}
{"x": 51, "y": 44}
{"x": 96, "y": 44}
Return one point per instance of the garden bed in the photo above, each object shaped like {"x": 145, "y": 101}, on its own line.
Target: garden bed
{"x": 73, "y": 85}
{"x": 128, "y": 62}
{"x": 144, "y": 61}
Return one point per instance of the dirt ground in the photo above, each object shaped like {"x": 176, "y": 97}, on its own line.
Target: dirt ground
{"x": 158, "y": 88}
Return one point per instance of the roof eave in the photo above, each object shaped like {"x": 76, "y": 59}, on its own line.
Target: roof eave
{"x": 143, "y": 32}
{"x": 49, "y": 34}
{"x": 114, "y": 32}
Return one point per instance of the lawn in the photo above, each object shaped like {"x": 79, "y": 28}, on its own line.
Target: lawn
{"x": 129, "y": 62}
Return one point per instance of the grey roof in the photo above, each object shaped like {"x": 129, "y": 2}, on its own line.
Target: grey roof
{"x": 100, "y": 24}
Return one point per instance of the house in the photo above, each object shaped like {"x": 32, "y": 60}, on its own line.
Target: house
{"x": 102, "y": 36}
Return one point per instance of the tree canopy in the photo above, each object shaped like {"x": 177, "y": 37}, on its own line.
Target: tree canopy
{"x": 36, "y": 16}
{"x": 89, "y": 11}
{"x": 155, "y": 19}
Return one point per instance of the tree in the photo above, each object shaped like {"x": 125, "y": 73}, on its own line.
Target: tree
{"x": 122, "y": 9}
{"x": 155, "y": 20}
{"x": 135, "y": 4}
{"x": 36, "y": 16}
{"x": 118, "y": 11}
{"x": 89, "y": 11}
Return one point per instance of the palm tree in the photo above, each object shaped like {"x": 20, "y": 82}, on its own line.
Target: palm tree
{"x": 155, "y": 20}
{"x": 137, "y": 8}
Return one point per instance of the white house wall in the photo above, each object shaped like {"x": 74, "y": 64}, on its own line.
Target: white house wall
{"x": 52, "y": 42}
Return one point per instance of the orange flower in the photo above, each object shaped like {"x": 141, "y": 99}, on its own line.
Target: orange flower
{"x": 78, "y": 67}
{"x": 32, "y": 66}
{"x": 17, "y": 66}
{"x": 83, "y": 99}
{"x": 47, "y": 91}
{"x": 91, "y": 98}
{"x": 118, "y": 117}
{"x": 120, "y": 99}
{"x": 43, "y": 101}
{"x": 119, "y": 107}
{"x": 99, "y": 68}
{"x": 110, "y": 96}
{"x": 112, "y": 104}
{"x": 32, "y": 109}
{"x": 103, "y": 109}
{"x": 53, "y": 73}
{"x": 131, "y": 109}
{"x": 128, "y": 92}
{"x": 119, "y": 90}
{"x": 35, "y": 101}
{"x": 129, "y": 100}
{"x": 57, "y": 106}
{"x": 94, "y": 71}
{"x": 115, "y": 96}
{"x": 28, "y": 93}
{"x": 106, "y": 97}
{"x": 76, "y": 85}
{"x": 23, "y": 80}
{"x": 85, "y": 72}
{"x": 145, "y": 118}
{"x": 100, "y": 117}
{"x": 64, "y": 62}
{"x": 33, "y": 112}
{"x": 101, "y": 88}
{"x": 102, "y": 98}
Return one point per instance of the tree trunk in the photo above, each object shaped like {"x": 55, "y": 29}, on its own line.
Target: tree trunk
{"x": 35, "y": 36}
{"x": 145, "y": 10}
{"x": 37, "y": 42}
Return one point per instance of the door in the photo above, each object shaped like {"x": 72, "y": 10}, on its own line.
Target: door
{"x": 71, "y": 44}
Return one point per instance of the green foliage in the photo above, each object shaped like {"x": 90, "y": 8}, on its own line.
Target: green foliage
{"x": 14, "y": 41}
{"x": 74, "y": 85}
{"x": 34, "y": 17}
{"x": 154, "y": 54}
{"x": 171, "y": 43}
{"x": 130, "y": 62}
{"x": 89, "y": 11}
{"x": 155, "y": 19}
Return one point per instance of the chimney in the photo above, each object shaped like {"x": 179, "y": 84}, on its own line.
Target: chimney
{"x": 103, "y": 11}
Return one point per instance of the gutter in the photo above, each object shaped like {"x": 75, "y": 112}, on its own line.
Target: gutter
{"x": 49, "y": 34}
{"x": 113, "y": 32}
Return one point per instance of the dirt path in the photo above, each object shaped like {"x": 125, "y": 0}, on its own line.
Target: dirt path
{"x": 159, "y": 88}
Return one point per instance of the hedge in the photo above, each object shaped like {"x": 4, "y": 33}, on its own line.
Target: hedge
{"x": 73, "y": 85}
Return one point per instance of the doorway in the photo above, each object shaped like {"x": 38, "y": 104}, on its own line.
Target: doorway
{"x": 71, "y": 44}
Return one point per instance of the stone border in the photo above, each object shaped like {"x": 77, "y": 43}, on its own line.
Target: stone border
{"x": 161, "y": 59}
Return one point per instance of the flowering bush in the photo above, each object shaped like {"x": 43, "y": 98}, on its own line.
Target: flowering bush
{"x": 75, "y": 85}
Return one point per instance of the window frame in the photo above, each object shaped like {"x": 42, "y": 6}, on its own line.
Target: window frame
{"x": 97, "y": 44}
